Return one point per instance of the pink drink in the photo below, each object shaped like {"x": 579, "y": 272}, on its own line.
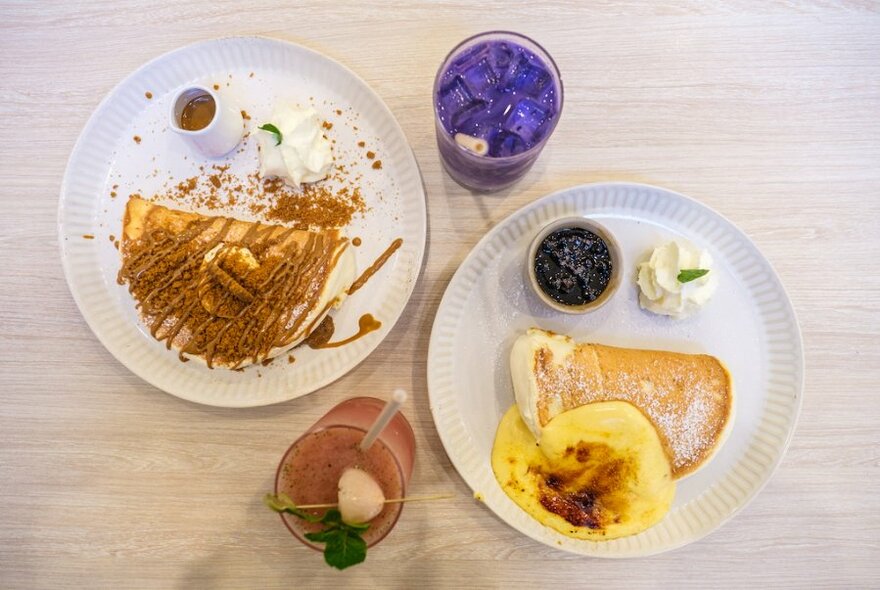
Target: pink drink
{"x": 310, "y": 470}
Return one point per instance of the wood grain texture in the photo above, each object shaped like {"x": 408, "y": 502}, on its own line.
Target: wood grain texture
{"x": 765, "y": 111}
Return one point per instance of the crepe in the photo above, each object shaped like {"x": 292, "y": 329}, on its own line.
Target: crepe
{"x": 688, "y": 398}
{"x": 230, "y": 292}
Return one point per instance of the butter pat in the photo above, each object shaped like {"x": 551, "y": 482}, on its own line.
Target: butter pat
{"x": 304, "y": 154}
{"x": 661, "y": 291}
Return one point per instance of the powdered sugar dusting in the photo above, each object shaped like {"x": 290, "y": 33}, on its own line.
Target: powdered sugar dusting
{"x": 686, "y": 397}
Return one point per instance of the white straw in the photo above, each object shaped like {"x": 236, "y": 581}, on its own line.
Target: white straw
{"x": 471, "y": 143}
{"x": 391, "y": 408}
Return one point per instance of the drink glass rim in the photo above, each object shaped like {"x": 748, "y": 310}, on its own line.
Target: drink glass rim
{"x": 550, "y": 62}
{"x": 310, "y": 432}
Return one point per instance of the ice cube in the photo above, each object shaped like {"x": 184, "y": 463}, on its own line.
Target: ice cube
{"x": 548, "y": 98}
{"x": 500, "y": 57}
{"x": 518, "y": 63}
{"x": 480, "y": 77}
{"x": 530, "y": 79}
{"x": 504, "y": 143}
{"x": 455, "y": 94}
{"x": 500, "y": 107}
{"x": 469, "y": 57}
{"x": 497, "y": 56}
{"x": 526, "y": 119}
{"x": 527, "y": 78}
{"x": 457, "y": 103}
{"x": 470, "y": 119}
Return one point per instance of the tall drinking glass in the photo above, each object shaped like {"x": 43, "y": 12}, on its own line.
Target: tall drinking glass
{"x": 310, "y": 470}
{"x": 497, "y": 99}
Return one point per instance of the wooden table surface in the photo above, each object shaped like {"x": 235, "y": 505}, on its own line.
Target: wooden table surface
{"x": 768, "y": 112}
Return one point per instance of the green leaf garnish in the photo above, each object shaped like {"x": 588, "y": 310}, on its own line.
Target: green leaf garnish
{"x": 345, "y": 549}
{"x": 321, "y": 536}
{"x": 344, "y": 546}
{"x": 358, "y": 526}
{"x": 690, "y": 274}
{"x": 273, "y": 130}
{"x": 283, "y": 503}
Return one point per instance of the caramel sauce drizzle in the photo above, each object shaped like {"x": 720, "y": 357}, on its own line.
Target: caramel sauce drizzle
{"x": 320, "y": 338}
{"x": 164, "y": 273}
{"x": 322, "y": 334}
{"x": 374, "y": 268}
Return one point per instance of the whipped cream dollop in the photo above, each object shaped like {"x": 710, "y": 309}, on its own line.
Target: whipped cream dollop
{"x": 304, "y": 154}
{"x": 661, "y": 290}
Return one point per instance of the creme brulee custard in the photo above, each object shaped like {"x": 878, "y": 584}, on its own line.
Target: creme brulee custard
{"x": 598, "y": 472}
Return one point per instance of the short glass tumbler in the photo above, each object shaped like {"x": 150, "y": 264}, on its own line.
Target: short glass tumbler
{"x": 497, "y": 99}
{"x": 310, "y": 469}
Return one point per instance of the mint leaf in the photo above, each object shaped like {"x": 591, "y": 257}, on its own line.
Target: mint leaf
{"x": 344, "y": 545}
{"x": 283, "y": 503}
{"x": 690, "y": 274}
{"x": 321, "y": 536}
{"x": 345, "y": 549}
{"x": 273, "y": 130}
{"x": 358, "y": 526}
{"x": 332, "y": 516}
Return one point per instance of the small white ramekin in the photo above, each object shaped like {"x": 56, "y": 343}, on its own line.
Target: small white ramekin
{"x": 222, "y": 134}
{"x": 613, "y": 250}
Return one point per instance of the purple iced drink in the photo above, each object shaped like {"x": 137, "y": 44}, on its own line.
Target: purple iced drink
{"x": 503, "y": 90}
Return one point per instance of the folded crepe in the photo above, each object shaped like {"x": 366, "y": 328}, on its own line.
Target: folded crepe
{"x": 687, "y": 397}
{"x": 230, "y": 292}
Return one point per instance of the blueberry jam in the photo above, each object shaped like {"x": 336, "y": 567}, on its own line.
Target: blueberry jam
{"x": 499, "y": 91}
{"x": 573, "y": 266}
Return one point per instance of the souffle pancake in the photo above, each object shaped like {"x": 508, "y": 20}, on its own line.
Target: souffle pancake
{"x": 230, "y": 292}
{"x": 687, "y": 397}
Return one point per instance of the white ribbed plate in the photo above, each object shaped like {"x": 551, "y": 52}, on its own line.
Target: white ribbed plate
{"x": 749, "y": 324}
{"x": 256, "y": 73}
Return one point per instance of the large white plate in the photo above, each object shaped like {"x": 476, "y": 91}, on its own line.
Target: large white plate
{"x": 256, "y": 73}
{"x": 749, "y": 324}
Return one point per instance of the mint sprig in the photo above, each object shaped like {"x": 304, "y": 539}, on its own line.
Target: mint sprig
{"x": 344, "y": 546}
{"x": 686, "y": 275}
{"x": 273, "y": 130}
